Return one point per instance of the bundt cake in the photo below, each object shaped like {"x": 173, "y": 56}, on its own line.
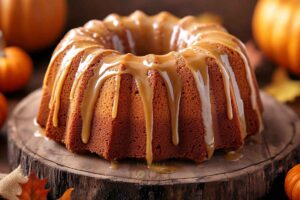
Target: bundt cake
{"x": 150, "y": 87}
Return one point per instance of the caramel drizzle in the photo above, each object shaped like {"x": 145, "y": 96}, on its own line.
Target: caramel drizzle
{"x": 224, "y": 62}
{"x": 108, "y": 68}
{"x": 86, "y": 61}
{"x": 235, "y": 45}
{"x": 102, "y": 73}
{"x": 239, "y": 102}
{"x": 88, "y": 45}
{"x": 166, "y": 66}
{"x": 234, "y": 155}
{"x": 113, "y": 64}
{"x": 72, "y": 48}
{"x": 117, "y": 95}
{"x": 139, "y": 68}
{"x": 60, "y": 78}
{"x": 196, "y": 61}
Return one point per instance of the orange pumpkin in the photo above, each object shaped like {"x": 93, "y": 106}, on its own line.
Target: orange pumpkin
{"x": 15, "y": 68}
{"x": 292, "y": 183}
{"x": 3, "y": 110}
{"x": 32, "y": 24}
{"x": 276, "y": 29}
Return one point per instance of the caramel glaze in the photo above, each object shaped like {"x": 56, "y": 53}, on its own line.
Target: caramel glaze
{"x": 120, "y": 39}
{"x": 164, "y": 169}
{"x": 234, "y": 155}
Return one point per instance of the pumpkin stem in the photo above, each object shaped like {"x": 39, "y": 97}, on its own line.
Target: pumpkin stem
{"x": 2, "y": 44}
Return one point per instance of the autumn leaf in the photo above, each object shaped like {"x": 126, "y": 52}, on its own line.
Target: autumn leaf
{"x": 282, "y": 87}
{"x": 10, "y": 185}
{"x": 16, "y": 186}
{"x": 34, "y": 189}
{"x": 67, "y": 194}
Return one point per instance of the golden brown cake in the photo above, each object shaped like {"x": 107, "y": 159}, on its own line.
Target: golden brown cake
{"x": 150, "y": 87}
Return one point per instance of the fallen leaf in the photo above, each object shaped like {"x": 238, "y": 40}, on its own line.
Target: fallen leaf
{"x": 10, "y": 186}
{"x": 67, "y": 194}
{"x": 208, "y": 17}
{"x": 282, "y": 87}
{"x": 34, "y": 189}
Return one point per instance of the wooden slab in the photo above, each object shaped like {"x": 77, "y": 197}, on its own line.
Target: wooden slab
{"x": 260, "y": 171}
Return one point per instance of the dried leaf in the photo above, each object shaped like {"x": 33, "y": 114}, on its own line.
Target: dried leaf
{"x": 10, "y": 185}
{"x": 34, "y": 189}
{"x": 209, "y": 18}
{"x": 67, "y": 194}
{"x": 282, "y": 87}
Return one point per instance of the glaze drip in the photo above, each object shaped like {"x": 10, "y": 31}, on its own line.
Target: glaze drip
{"x": 108, "y": 49}
{"x": 196, "y": 61}
{"x": 166, "y": 67}
{"x": 139, "y": 68}
{"x": 235, "y": 45}
{"x": 117, "y": 94}
{"x": 87, "y": 60}
{"x": 234, "y": 89}
{"x": 60, "y": 78}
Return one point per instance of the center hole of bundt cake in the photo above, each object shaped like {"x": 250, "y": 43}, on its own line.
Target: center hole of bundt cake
{"x": 153, "y": 39}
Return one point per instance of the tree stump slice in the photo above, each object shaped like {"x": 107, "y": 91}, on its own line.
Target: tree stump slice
{"x": 261, "y": 170}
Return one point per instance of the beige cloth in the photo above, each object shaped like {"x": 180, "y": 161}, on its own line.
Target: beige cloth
{"x": 10, "y": 186}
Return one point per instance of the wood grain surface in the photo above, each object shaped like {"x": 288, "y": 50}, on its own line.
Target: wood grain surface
{"x": 265, "y": 158}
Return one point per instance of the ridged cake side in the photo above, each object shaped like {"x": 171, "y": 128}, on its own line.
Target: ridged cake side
{"x": 197, "y": 93}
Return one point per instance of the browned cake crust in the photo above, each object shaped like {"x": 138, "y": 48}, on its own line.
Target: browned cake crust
{"x": 126, "y": 134}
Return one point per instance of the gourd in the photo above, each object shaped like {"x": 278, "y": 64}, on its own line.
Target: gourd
{"x": 32, "y": 24}
{"x": 292, "y": 183}
{"x": 15, "y": 67}
{"x": 276, "y": 29}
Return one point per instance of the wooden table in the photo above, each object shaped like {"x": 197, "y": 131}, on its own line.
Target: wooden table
{"x": 264, "y": 161}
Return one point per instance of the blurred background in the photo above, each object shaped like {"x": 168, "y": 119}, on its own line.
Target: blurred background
{"x": 236, "y": 14}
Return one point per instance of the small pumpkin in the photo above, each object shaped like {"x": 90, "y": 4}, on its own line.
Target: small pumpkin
{"x": 3, "y": 109}
{"x": 31, "y": 24}
{"x": 292, "y": 183}
{"x": 276, "y": 29}
{"x": 15, "y": 67}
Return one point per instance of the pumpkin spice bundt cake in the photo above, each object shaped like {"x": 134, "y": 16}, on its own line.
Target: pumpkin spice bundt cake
{"x": 150, "y": 87}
